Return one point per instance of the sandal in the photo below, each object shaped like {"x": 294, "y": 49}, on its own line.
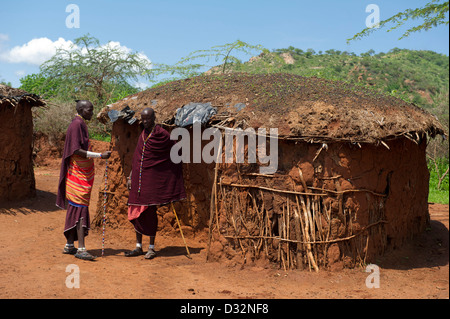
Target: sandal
{"x": 133, "y": 253}
{"x": 150, "y": 254}
{"x": 71, "y": 250}
{"x": 84, "y": 255}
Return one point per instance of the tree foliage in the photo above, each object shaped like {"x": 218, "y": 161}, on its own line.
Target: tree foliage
{"x": 194, "y": 63}
{"x": 433, "y": 14}
{"x": 37, "y": 83}
{"x": 2, "y": 81}
{"x": 222, "y": 53}
{"x": 88, "y": 69}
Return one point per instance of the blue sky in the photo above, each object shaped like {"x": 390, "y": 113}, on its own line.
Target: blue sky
{"x": 166, "y": 31}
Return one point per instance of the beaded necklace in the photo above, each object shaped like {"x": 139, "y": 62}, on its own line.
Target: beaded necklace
{"x": 142, "y": 157}
{"x": 104, "y": 207}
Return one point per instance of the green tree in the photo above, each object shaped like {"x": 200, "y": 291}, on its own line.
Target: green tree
{"x": 37, "y": 83}
{"x": 434, "y": 13}
{"x": 50, "y": 89}
{"x": 368, "y": 53}
{"x": 2, "y": 81}
{"x": 222, "y": 54}
{"x": 194, "y": 64}
{"x": 88, "y": 69}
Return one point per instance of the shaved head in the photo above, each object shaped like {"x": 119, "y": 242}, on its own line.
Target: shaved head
{"x": 148, "y": 118}
{"x": 148, "y": 111}
{"x": 81, "y": 104}
{"x": 85, "y": 109}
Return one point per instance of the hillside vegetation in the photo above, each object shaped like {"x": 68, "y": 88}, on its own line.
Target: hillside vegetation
{"x": 421, "y": 77}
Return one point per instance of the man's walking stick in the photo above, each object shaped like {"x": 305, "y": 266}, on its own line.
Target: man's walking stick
{"x": 179, "y": 226}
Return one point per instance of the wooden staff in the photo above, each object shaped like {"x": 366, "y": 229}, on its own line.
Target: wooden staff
{"x": 181, "y": 231}
{"x": 287, "y": 233}
{"x": 213, "y": 204}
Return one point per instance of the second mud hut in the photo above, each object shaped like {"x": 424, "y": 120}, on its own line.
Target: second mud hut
{"x": 16, "y": 143}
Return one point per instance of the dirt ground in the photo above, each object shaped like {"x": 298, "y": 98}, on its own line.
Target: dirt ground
{"x": 32, "y": 264}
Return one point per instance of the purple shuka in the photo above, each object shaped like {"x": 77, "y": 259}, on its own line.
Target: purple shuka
{"x": 158, "y": 182}
{"x": 77, "y": 137}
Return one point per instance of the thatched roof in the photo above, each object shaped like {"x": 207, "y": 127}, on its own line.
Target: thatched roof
{"x": 311, "y": 109}
{"x": 11, "y": 97}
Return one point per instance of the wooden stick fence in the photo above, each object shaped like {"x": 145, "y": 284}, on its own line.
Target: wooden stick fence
{"x": 297, "y": 233}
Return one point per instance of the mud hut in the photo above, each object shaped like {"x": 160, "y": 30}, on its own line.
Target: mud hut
{"x": 16, "y": 122}
{"x": 351, "y": 178}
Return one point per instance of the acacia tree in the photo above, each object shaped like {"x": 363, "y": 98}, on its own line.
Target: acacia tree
{"x": 90, "y": 69}
{"x": 433, "y": 14}
{"x": 220, "y": 53}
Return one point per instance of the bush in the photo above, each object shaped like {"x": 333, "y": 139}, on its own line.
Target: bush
{"x": 54, "y": 120}
{"x": 438, "y": 193}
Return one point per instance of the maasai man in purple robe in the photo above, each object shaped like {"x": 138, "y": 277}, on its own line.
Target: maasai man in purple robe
{"x": 154, "y": 180}
{"x": 76, "y": 180}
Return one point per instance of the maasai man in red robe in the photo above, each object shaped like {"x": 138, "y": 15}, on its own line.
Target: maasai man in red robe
{"x": 76, "y": 180}
{"x": 154, "y": 180}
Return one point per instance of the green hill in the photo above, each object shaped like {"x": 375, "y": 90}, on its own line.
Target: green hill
{"x": 421, "y": 77}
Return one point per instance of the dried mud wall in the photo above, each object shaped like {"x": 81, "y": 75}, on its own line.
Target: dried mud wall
{"x": 368, "y": 199}
{"x": 16, "y": 168}
{"x": 357, "y": 201}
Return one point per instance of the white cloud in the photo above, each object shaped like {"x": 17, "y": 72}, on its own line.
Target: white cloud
{"x": 20, "y": 73}
{"x": 35, "y": 52}
{"x": 3, "y": 37}
{"x": 141, "y": 85}
{"x": 116, "y": 45}
{"x": 123, "y": 50}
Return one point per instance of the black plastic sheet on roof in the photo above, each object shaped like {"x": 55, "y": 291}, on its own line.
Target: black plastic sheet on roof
{"x": 194, "y": 113}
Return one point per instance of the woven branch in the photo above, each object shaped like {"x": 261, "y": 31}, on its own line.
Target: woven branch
{"x": 271, "y": 189}
{"x": 310, "y": 242}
